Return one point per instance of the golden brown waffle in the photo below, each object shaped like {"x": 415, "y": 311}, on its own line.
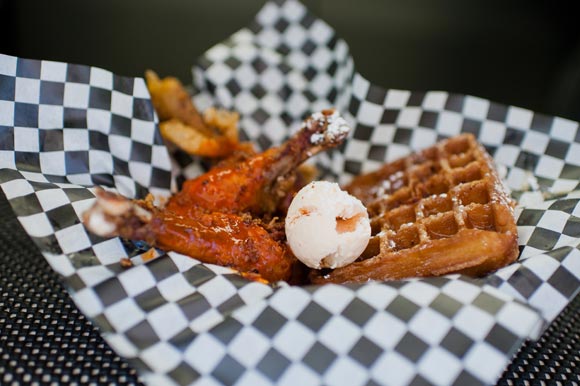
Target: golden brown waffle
{"x": 442, "y": 210}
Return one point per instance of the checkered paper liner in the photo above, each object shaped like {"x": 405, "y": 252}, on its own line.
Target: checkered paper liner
{"x": 66, "y": 128}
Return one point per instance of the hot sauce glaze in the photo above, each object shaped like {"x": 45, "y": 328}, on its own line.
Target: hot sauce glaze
{"x": 227, "y": 215}
{"x": 232, "y": 189}
{"x": 224, "y": 239}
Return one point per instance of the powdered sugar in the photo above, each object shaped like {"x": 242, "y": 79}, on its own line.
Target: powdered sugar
{"x": 336, "y": 127}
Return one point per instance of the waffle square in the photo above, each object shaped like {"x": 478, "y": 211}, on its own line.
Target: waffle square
{"x": 441, "y": 210}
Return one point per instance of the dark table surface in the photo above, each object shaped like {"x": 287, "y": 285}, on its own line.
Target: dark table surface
{"x": 44, "y": 339}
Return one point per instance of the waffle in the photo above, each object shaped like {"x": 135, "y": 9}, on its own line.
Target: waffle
{"x": 442, "y": 210}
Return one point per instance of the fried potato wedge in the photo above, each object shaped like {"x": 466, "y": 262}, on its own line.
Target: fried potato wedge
{"x": 194, "y": 142}
{"x": 213, "y": 134}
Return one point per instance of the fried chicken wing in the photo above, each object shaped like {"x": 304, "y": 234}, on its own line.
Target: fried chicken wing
{"x": 225, "y": 215}
{"x": 258, "y": 184}
{"x": 225, "y": 239}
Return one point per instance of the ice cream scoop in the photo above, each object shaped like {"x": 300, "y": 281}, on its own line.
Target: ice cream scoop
{"x": 326, "y": 227}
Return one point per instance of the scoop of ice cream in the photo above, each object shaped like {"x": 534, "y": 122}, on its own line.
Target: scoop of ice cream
{"x": 326, "y": 227}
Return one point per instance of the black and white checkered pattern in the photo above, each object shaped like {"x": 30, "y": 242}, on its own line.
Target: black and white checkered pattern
{"x": 65, "y": 128}
{"x": 80, "y": 125}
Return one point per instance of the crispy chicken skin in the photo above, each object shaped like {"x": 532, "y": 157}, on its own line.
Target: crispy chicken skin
{"x": 227, "y": 239}
{"x": 258, "y": 184}
{"x": 222, "y": 217}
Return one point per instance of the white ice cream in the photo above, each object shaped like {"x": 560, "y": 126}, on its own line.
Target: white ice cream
{"x": 326, "y": 227}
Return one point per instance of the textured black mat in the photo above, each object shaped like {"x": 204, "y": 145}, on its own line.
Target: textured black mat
{"x": 43, "y": 336}
{"x": 44, "y": 339}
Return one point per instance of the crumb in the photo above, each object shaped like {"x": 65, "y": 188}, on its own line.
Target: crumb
{"x": 149, "y": 255}
{"x": 126, "y": 263}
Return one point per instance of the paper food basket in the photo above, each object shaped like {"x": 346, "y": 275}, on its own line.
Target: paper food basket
{"x": 66, "y": 128}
